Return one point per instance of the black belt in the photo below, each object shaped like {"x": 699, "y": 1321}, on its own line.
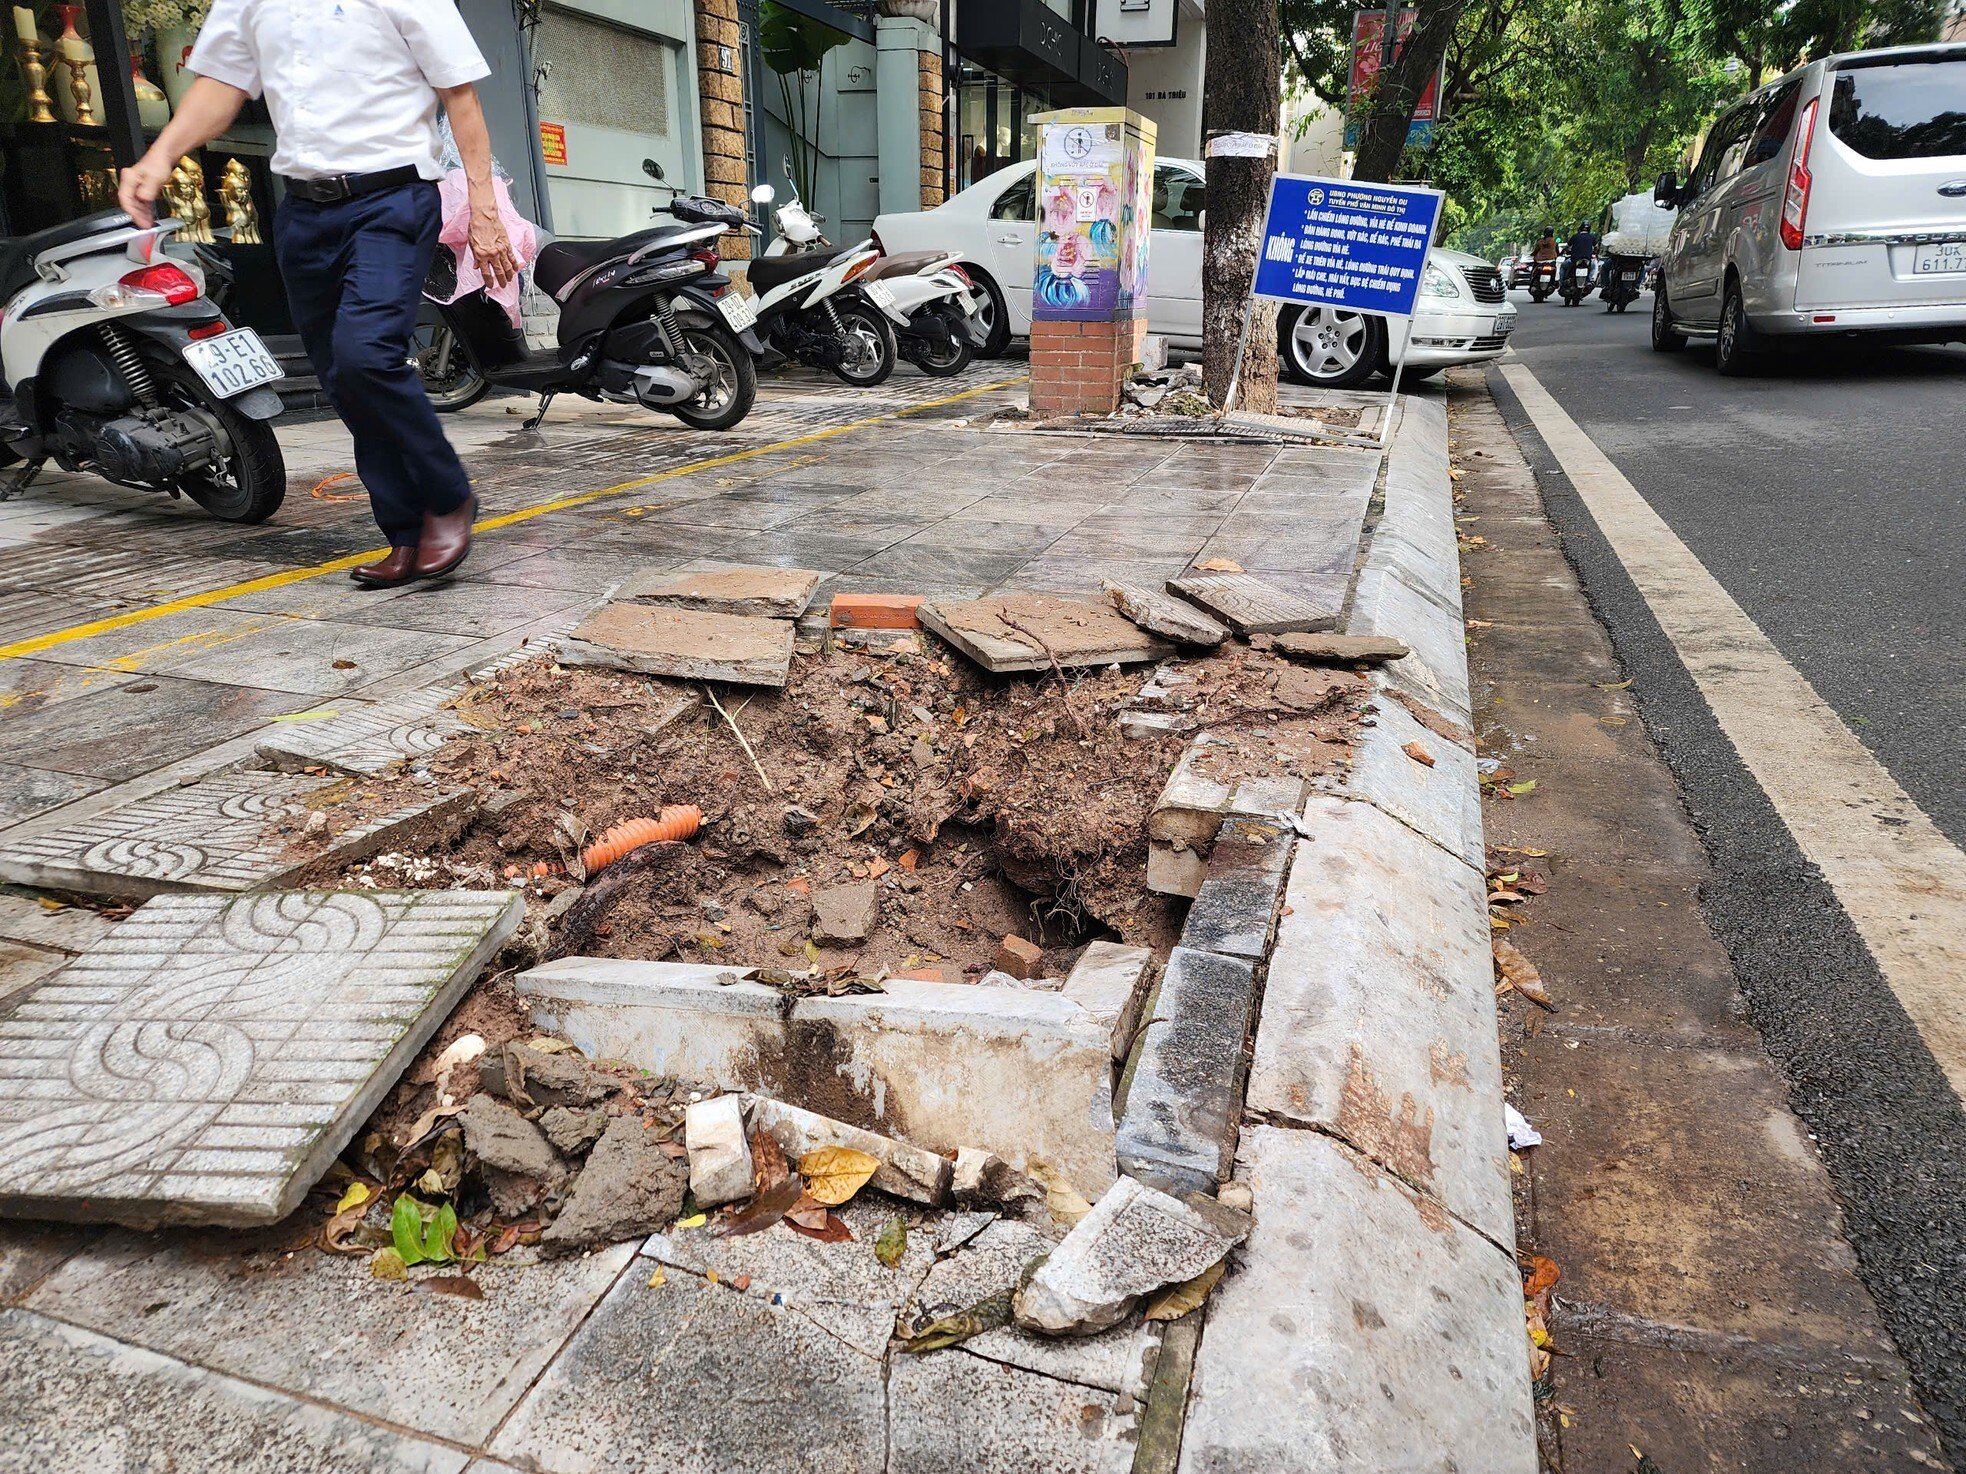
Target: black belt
{"x": 348, "y": 186}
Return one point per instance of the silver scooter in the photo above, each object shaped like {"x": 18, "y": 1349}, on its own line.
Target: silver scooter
{"x": 114, "y": 361}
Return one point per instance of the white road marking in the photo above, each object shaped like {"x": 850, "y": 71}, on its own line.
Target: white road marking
{"x": 1902, "y": 882}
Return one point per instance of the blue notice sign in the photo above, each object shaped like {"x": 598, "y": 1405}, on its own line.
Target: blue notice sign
{"x": 1346, "y": 244}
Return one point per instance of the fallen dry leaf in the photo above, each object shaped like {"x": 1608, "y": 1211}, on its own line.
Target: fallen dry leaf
{"x": 460, "y": 1285}
{"x": 1063, "y": 1201}
{"x": 763, "y": 1211}
{"x": 1419, "y": 754}
{"x": 1519, "y": 973}
{"x": 834, "y": 1174}
{"x": 1177, "y": 1300}
{"x": 768, "y": 1164}
{"x": 1220, "y": 565}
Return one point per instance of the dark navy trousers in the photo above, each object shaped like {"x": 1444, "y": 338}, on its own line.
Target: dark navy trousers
{"x": 354, "y": 273}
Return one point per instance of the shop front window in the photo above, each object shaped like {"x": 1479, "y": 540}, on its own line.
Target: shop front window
{"x": 993, "y": 124}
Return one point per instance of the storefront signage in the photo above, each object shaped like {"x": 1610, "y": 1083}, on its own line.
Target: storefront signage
{"x": 553, "y": 143}
{"x": 1345, "y": 244}
{"x": 1368, "y": 55}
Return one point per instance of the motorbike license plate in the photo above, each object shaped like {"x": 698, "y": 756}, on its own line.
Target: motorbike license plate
{"x": 737, "y": 311}
{"x": 1943, "y": 259}
{"x": 880, "y": 295}
{"x": 233, "y": 362}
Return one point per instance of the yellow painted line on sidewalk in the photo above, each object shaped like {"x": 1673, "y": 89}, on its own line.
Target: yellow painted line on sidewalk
{"x": 111, "y": 623}
{"x": 1899, "y": 879}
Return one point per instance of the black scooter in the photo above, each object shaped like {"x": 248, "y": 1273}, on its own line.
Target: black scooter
{"x": 646, "y": 319}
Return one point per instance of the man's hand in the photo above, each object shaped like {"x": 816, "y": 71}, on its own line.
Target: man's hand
{"x": 138, "y": 186}
{"x": 491, "y": 248}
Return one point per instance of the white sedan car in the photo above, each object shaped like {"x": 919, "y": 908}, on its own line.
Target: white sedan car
{"x": 1464, "y": 314}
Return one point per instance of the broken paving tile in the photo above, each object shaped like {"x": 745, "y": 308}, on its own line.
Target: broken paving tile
{"x": 718, "y": 1381}
{"x": 720, "y": 1168}
{"x": 1328, "y": 649}
{"x": 906, "y": 1171}
{"x": 683, "y": 643}
{"x": 205, "y": 1061}
{"x": 1134, "y": 1241}
{"x": 777, "y": 593}
{"x": 845, "y": 915}
{"x": 1162, "y": 614}
{"x": 219, "y": 834}
{"x": 954, "y": 1413}
{"x": 1268, "y": 605}
{"x": 1108, "y": 981}
{"x": 841, "y": 1286}
{"x": 321, "y": 1324}
{"x": 1027, "y": 632}
{"x": 364, "y": 739}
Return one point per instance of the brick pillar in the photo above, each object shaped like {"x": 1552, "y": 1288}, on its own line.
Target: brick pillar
{"x": 935, "y": 142}
{"x": 1080, "y": 367}
{"x": 720, "y": 80}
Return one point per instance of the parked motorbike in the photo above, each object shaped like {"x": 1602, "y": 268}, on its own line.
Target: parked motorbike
{"x": 806, "y": 310}
{"x": 1578, "y": 278}
{"x": 645, "y": 319}
{"x": 1622, "y": 279}
{"x": 134, "y": 375}
{"x": 1542, "y": 280}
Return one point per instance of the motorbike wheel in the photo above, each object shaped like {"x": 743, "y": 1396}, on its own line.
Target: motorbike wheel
{"x": 870, "y": 345}
{"x": 1538, "y": 296}
{"x": 249, "y": 481}
{"x": 441, "y": 362}
{"x": 730, "y": 398}
{"x": 945, "y": 360}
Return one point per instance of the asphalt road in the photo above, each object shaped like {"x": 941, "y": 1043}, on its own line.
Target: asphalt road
{"x": 1825, "y": 496}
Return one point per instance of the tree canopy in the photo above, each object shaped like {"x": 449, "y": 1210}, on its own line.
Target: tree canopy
{"x": 1555, "y": 108}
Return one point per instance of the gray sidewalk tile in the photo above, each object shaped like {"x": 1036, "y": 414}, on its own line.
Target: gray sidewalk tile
{"x": 127, "y": 729}
{"x": 956, "y": 1413}
{"x": 209, "y": 1057}
{"x": 1363, "y": 1330}
{"x": 718, "y": 1380}
{"x": 26, "y": 792}
{"x": 82, "y": 1404}
{"x": 464, "y": 607}
{"x": 322, "y": 1326}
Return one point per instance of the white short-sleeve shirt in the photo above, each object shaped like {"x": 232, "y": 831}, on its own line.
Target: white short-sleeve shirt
{"x": 349, "y": 82}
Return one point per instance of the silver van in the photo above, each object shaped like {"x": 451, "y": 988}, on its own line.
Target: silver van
{"x": 1830, "y": 202}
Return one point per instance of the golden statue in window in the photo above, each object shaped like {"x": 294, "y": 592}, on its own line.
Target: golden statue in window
{"x": 186, "y": 192}
{"x": 235, "y": 192}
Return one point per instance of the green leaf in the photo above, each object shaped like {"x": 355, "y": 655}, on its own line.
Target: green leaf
{"x": 893, "y": 1242}
{"x": 1527, "y": 786}
{"x": 406, "y": 1229}
{"x": 437, "y": 1236}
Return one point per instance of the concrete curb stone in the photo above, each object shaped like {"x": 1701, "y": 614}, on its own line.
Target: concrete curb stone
{"x": 1441, "y": 800}
{"x": 1437, "y": 670}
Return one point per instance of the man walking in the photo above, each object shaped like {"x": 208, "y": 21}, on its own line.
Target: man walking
{"x": 353, "y": 86}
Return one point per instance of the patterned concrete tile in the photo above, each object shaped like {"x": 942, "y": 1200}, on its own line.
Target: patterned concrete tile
{"x": 208, "y": 1059}
{"x": 464, "y": 607}
{"x": 79, "y": 1403}
{"x": 365, "y": 739}
{"x": 221, "y": 834}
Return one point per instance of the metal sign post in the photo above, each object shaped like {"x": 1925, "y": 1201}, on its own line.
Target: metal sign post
{"x": 1341, "y": 243}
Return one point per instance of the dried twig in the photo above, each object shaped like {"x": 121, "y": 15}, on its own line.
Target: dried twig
{"x": 742, "y": 741}
{"x": 1064, "y": 686}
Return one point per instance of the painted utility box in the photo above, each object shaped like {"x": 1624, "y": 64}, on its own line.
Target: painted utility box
{"x": 1093, "y": 202}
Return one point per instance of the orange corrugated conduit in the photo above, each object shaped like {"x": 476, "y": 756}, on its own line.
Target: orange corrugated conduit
{"x": 677, "y": 821}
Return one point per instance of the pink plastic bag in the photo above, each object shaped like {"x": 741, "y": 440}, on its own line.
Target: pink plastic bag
{"x": 456, "y": 233}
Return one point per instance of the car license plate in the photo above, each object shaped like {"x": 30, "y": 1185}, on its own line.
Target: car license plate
{"x": 737, "y": 311}
{"x": 233, "y": 362}
{"x": 1941, "y": 260}
{"x": 881, "y": 296}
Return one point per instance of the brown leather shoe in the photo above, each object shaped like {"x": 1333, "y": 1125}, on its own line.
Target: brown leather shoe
{"x": 386, "y": 573}
{"x": 446, "y": 541}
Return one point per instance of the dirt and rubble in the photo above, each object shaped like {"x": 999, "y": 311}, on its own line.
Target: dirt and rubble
{"x": 970, "y": 805}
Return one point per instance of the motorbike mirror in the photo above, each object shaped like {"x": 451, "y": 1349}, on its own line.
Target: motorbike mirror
{"x": 1665, "y": 194}
{"x": 764, "y": 194}
{"x": 651, "y": 168}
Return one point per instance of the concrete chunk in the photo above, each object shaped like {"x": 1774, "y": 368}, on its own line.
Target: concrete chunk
{"x": 506, "y": 1141}
{"x": 629, "y": 1187}
{"x": 1027, "y": 632}
{"x": 1162, "y": 614}
{"x": 1208, "y": 784}
{"x": 845, "y": 915}
{"x": 1236, "y": 907}
{"x": 1177, "y": 1130}
{"x": 777, "y": 593}
{"x": 719, "y": 1152}
{"x": 906, "y": 1171}
{"x": 1267, "y": 605}
{"x": 208, "y": 1059}
{"x": 685, "y": 644}
{"x": 1340, "y": 649}
{"x": 1134, "y": 1240}
{"x": 1366, "y": 1324}
{"x": 1109, "y": 982}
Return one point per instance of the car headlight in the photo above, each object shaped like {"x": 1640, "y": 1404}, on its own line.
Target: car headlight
{"x": 1436, "y": 282}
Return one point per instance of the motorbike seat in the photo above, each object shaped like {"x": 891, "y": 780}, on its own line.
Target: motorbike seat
{"x": 17, "y": 252}
{"x": 559, "y": 262}
{"x": 907, "y": 263}
{"x": 769, "y": 272}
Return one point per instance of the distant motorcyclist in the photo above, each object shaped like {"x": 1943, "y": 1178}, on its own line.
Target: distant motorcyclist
{"x": 1546, "y": 246}
{"x": 1583, "y": 245}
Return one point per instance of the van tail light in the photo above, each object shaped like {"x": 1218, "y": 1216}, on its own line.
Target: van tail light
{"x": 172, "y": 283}
{"x": 1795, "y": 199}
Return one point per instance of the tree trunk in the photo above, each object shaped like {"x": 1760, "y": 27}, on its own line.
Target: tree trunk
{"x": 1400, "y": 86}
{"x": 1243, "y": 87}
